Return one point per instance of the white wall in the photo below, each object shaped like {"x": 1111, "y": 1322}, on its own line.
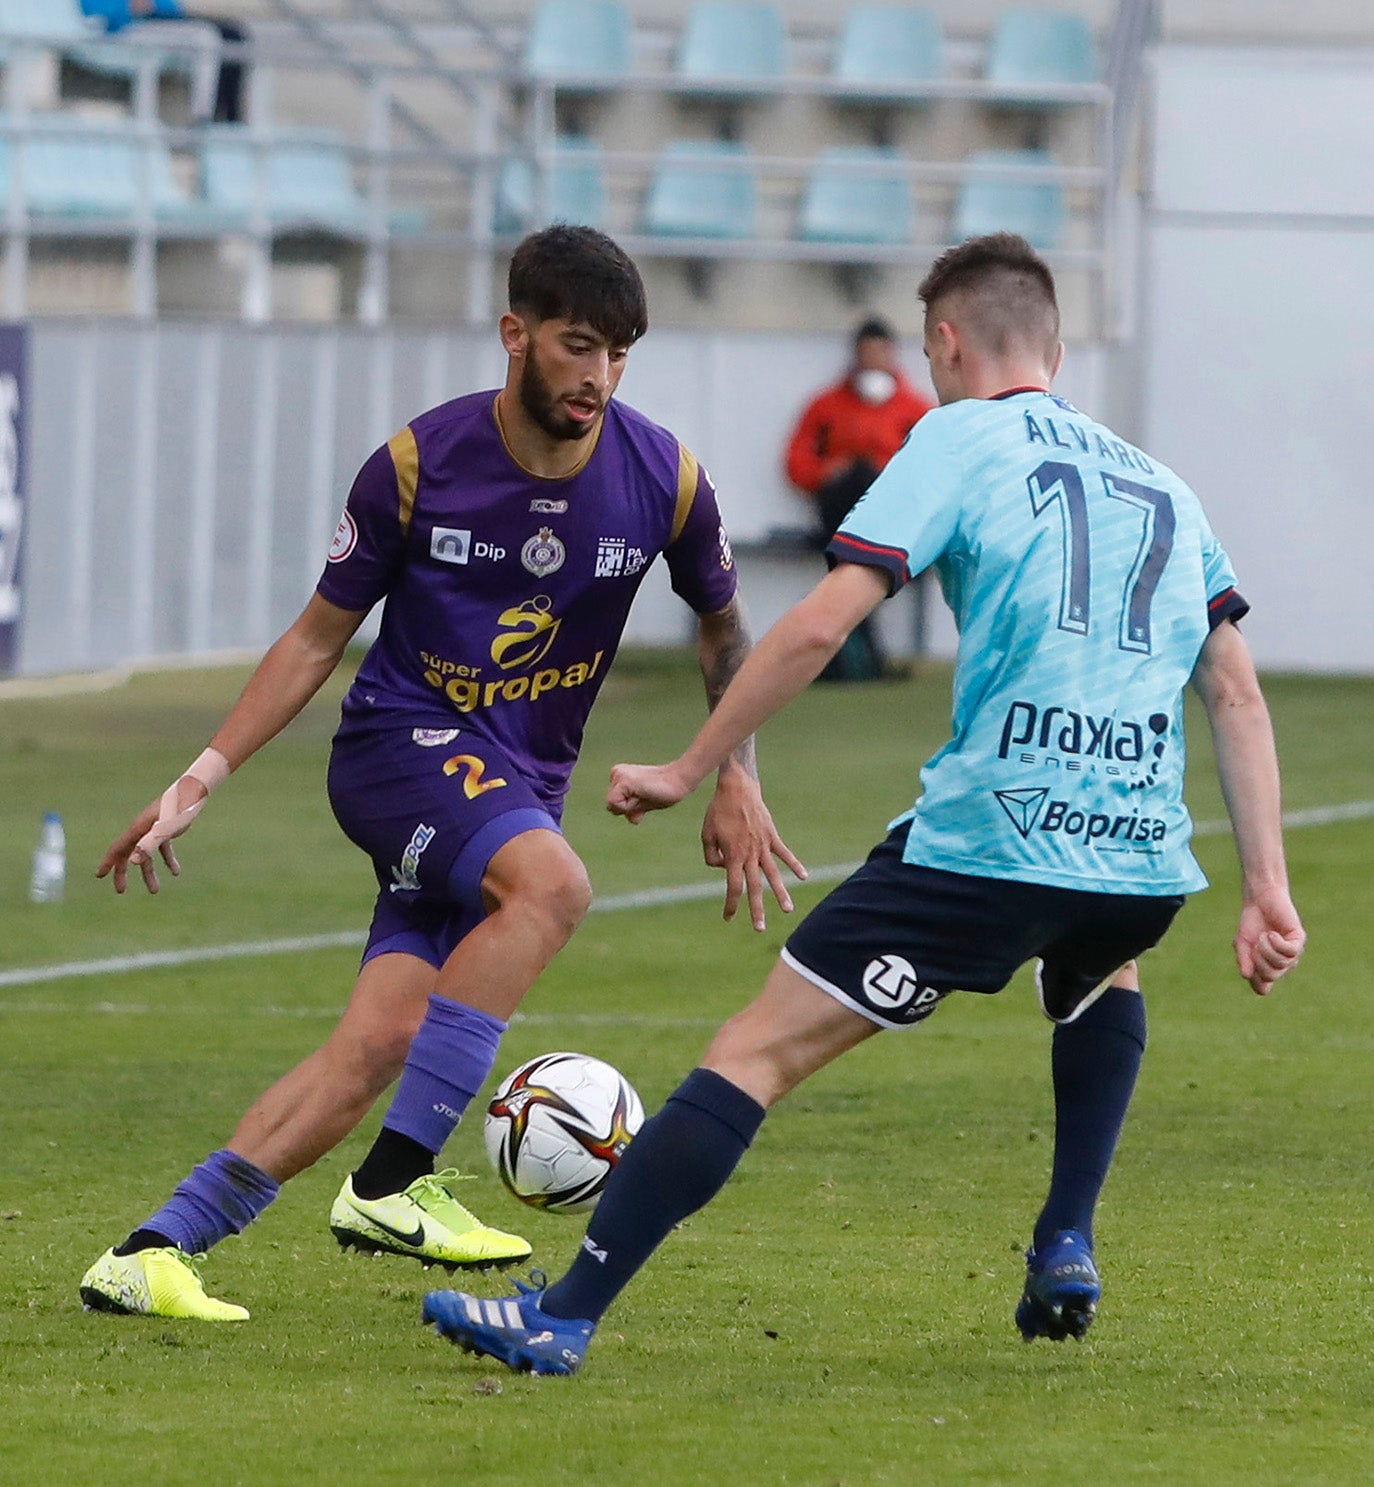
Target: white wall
{"x": 1259, "y": 327}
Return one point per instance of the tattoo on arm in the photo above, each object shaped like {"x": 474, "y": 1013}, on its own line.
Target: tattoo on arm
{"x": 725, "y": 642}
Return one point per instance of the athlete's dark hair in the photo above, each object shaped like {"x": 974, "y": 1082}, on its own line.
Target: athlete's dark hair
{"x": 1005, "y": 290}
{"x": 578, "y": 273}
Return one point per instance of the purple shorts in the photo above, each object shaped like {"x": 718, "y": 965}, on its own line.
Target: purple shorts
{"x": 431, "y": 808}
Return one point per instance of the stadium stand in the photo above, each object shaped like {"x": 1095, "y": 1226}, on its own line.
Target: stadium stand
{"x": 990, "y": 202}
{"x": 586, "y": 46}
{"x": 845, "y": 205}
{"x": 576, "y": 185}
{"x": 1031, "y": 49}
{"x": 885, "y": 51}
{"x": 702, "y": 189}
{"x": 732, "y": 49}
{"x": 386, "y": 128}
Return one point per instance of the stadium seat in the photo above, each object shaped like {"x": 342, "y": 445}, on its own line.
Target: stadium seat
{"x": 1035, "y": 209}
{"x": 73, "y": 171}
{"x": 694, "y": 192}
{"x": 882, "y": 47}
{"x": 841, "y": 205}
{"x": 309, "y": 179}
{"x": 728, "y": 42}
{"x": 588, "y": 43}
{"x": 577, "y": 189}
{"x": 1030, "y": 48}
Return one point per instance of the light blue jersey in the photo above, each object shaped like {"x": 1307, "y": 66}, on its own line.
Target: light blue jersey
{"x": 1084, "y": 578}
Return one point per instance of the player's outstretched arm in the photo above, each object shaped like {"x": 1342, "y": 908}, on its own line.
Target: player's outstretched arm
{"x": 287, "y": 677}
{"x": 1270, "y": 937}
{"x": 738, "y": 834}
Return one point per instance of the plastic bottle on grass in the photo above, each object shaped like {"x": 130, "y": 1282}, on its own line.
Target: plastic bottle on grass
{"x": 49, "y": 878}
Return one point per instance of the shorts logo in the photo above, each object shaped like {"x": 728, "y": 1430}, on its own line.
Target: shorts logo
{"x": 1022, "y": 807}
{"x": 891, "y": 982}
{"x": 345, "y": 538}
{"x": 407, "y": 875}
{"x": 543, "y": 553}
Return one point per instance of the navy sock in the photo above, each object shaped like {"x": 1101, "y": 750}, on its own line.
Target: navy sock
{"x": 676, "y": 1164}
{"x": 1094, "y": 1062}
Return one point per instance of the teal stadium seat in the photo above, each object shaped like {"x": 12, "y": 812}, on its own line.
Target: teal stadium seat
{"x": 587, "y": 42}
{"x": 310, "y": 184}
{"x": 74, "y": 173}
{"x": 841, "y": 205}
{"x": 883, "y": 47}
{"x": 1030, "y": 48}
{"x": 577, "y": 189}
{"x": 1035, "y": 209}
{"x": 728, "y": 42}
{"x": 692, "y": 194}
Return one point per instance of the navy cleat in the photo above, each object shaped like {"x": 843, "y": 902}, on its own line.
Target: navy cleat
{"x": 1062, "y": 1289}
{"x": 513, "y": 1329}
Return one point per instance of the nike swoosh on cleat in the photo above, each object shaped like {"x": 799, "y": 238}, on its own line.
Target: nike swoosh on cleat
{"x": 415, "y": 1238}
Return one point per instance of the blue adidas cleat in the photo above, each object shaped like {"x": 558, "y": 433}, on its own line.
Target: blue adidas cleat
{"x": 1062, "y": 1289}
{"x": 512, "y": 1329}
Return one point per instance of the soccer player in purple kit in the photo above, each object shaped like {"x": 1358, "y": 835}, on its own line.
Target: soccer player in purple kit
{"x": 507, "y": 534}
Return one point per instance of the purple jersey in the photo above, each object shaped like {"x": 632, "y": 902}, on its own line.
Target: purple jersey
{"x": 507, "y": 593}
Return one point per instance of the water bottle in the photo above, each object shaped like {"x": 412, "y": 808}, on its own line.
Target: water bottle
{"x": 49, "y": 878}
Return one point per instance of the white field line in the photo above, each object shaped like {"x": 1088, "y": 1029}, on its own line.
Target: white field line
{"x": 1324, "y": 815}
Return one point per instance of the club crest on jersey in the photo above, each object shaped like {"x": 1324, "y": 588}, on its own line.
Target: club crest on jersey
{"x": 543, "y": 553}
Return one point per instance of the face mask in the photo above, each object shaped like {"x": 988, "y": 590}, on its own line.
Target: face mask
{"x": 874, "y": 386}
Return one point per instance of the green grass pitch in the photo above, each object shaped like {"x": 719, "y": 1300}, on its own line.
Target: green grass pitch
{"x": 843, "y": 1313}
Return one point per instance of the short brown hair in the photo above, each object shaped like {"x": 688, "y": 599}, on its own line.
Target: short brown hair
{"x": 1005, "y": 290}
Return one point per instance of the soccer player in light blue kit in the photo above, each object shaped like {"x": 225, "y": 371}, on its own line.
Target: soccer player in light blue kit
{"x": 1088, "y": 589}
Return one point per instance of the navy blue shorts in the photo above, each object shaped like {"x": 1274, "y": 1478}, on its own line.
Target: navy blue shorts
{"x": 431, "y": 807}
{"x": 894, "y": 939}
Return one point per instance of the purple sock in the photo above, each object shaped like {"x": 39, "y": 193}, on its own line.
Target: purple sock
{"x": 219, "y": 1198}
{"x": 449, "y": 1058}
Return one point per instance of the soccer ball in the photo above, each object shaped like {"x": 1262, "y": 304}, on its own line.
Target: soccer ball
{"x": 556, "y": 1128}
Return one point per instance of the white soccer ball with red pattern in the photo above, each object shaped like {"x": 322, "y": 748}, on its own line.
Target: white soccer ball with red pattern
{"x": 556, "y": 1128}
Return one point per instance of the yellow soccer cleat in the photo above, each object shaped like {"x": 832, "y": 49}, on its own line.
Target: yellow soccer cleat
{"x": 425, "y": 1221}
{"x": 154, "y": 1283}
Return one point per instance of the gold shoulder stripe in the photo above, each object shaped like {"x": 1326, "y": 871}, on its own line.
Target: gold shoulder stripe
{"x": 405, "y": 455}
{"x": 686, "y": 489}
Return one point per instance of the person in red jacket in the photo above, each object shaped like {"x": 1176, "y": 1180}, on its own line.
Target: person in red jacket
{"x": 845, "y": 436}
